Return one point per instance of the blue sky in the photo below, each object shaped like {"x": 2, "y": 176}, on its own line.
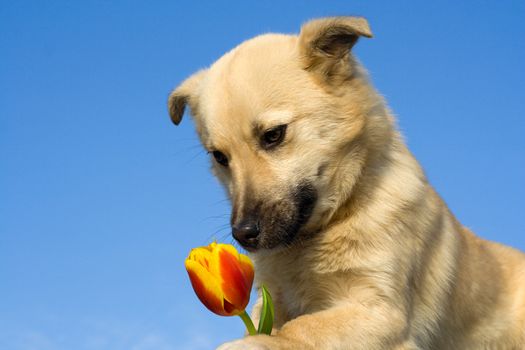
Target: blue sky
{"x": 101, "y": 198}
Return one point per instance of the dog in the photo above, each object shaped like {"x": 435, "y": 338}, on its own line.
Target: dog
{"x": 356, "y": 248}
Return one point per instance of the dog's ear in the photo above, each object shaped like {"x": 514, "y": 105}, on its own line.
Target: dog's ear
{"x": 325, "y": 43}
{"x": 184, "y": 94}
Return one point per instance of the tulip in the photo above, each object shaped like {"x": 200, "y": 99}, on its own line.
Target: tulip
{"x": 222, "y": 279}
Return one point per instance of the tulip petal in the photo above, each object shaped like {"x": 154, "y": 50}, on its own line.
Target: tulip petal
{"x": 247, "y": 269}
{"x": 206, "y": 287}
{"x": 202, "y": 255}
{"x": 233, "y": 283}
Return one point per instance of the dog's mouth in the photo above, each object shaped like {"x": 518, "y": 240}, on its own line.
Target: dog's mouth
{"x": 271, "y": 224}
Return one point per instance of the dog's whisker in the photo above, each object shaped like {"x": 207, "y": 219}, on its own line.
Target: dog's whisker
{"x": 199, "y": 153}
{"x": 184, "y": 150}
{"x": 220, "y": 201}
{"x": 218, "y": 231}
{"x": 215, "y": 217}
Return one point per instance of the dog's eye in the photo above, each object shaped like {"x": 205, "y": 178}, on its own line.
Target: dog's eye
{"x": 273, "y": 136}
{"x": 220, "y": 158}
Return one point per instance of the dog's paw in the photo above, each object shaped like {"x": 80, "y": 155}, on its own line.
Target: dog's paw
{"x": 247, "y": 343}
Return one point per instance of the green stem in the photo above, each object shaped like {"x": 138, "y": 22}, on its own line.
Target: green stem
{"x": 248, "y": 323}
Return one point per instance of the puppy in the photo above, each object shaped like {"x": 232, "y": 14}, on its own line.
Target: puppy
{"x": 356, "y": 248}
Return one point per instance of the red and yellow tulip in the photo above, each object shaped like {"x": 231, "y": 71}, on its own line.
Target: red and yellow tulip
{"x": 222, "y": 278}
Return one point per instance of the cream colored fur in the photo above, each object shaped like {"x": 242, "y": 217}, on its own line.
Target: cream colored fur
{"x": 385, "y": 264}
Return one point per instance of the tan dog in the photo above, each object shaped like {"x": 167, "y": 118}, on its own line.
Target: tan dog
{"x": 357, "y": 249}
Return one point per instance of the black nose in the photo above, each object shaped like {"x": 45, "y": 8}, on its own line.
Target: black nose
{"x": 246, "y": 234}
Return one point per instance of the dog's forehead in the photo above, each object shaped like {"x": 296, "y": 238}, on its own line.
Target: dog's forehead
{"x": 249, "y": 86}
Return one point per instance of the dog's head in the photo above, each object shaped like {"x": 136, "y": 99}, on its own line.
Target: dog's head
{"x": 282, "y": 117}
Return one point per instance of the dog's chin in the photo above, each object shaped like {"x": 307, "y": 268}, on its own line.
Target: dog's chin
{"x": 275, "y": 243}
{"x": 270, "y": 245}
{"x": 265, "y": 243}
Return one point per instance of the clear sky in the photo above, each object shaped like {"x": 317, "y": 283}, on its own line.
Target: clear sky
{"x": 101, "y": 197}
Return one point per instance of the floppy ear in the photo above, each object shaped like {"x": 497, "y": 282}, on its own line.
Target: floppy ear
{"x": 325, "y": 43}
{"x": 183, "y": 95}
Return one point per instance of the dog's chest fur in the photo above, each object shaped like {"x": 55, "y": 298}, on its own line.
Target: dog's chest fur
{"x": 309, "y": 278}
{"x": 296, "y": 289}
